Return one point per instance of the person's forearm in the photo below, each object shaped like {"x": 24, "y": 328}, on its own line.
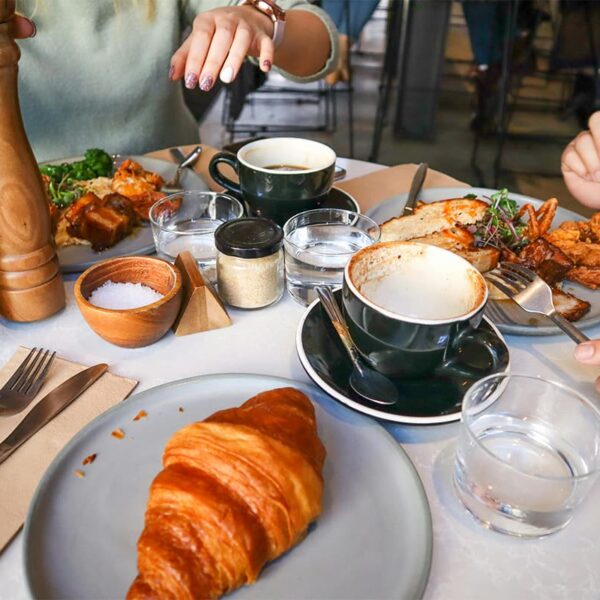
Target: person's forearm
{"x": 306, "y": 45}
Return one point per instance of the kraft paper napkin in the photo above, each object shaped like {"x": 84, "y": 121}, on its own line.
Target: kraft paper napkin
{"x": 21, "y": 472}
{"x": 371, "y": 189}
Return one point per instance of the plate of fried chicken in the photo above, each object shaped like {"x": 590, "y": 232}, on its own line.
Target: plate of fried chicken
{"x": 100, "y": 210}
{"x": 485, "y": 226}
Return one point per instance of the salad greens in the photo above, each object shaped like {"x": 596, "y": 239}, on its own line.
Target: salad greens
{"x": 502, "y": 226}
{"x": 63, "y": 186}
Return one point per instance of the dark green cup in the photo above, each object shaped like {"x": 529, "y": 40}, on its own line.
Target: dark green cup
{"x": 278, "y": 177}
{"x": 414, "y": 310}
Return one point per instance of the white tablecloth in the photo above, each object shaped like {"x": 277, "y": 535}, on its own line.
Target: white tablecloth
{"x": 468, "y": 560}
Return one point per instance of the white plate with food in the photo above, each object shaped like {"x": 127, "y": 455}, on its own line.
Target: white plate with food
{"x": 373, "y": 538}
{"x": 562, "y": 248}
{"x": 100, "y": 212}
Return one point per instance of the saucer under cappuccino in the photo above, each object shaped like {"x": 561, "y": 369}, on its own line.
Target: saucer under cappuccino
{"x": 411, "y": 308}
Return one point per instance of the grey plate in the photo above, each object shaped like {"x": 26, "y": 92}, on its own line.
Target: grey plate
{"x": 509, "y": 317}
{"x": 74, "y": 259}
{"x": 373, "y": 540}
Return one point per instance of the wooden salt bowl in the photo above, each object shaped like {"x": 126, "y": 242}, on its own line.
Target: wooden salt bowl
{"x": 134, "y": 327}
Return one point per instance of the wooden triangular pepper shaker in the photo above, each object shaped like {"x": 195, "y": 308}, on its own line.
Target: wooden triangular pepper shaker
{"x": 31, "y": 287}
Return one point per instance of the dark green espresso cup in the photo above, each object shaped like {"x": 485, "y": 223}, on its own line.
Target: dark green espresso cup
{"x": 414, "y": 310}
{"x": 278, "y": 177}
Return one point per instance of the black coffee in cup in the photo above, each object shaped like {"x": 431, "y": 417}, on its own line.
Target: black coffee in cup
{"x": 279, "y": 177}
{"x": 286, "y": 168}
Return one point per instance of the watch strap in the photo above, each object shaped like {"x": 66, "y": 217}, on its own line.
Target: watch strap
{"x": 273, "y": 12}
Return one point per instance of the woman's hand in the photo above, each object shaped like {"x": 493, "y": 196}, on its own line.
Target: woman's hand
{"x": 588, "y": 353}
{"x": 21, "y": 27}
{"x": 580, "y": 164}
{"x": 220, "y": 41}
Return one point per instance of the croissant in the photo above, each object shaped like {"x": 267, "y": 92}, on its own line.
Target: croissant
{"x": 237, "y": 490}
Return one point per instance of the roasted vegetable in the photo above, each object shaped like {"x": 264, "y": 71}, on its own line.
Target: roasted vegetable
{"x": 63, "y": 186}
{"x": 502, "y": 225}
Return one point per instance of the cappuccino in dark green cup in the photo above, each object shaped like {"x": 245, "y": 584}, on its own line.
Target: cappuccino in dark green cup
{"x": 414, "y": 310}
{"x": 279, "y": 177}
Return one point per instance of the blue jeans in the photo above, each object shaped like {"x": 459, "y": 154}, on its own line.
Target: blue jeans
{"x": 360, "y": 12}
{"x": 486, "y": 22}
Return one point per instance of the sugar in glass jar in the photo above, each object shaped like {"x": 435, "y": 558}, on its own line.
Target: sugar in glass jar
{"x": 250, "y": 267}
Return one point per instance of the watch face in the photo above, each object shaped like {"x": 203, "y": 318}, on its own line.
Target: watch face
{"x": 270, "y": 9}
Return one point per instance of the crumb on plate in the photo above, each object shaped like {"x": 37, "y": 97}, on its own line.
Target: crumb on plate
{"x": 80, "y": 473}
{"x": 141, "y": 415}
{"x": 88, "y": 460}
{"x": 118, "y": 433}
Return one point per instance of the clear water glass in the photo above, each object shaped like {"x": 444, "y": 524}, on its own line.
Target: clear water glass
{"x": 318, "y": 244}
{"x": 187, "y": 221}
{"x": 527, "y": 454}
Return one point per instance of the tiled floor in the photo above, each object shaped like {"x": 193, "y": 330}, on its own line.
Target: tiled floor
{"x": 450, "y": 151}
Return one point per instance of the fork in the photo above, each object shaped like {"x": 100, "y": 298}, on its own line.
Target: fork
{"x": 532, "y": 294}
{"x": 185, "y": 161}
{"x": 18, "y": 392}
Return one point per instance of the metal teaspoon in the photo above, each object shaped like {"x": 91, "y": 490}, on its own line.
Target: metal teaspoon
{"x": 364, "y": 380}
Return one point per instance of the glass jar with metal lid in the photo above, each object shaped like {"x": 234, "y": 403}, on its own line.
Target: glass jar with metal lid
{"x": 250, "y": 270}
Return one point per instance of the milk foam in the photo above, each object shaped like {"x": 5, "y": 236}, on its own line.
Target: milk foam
{"x": 424, "y": 288}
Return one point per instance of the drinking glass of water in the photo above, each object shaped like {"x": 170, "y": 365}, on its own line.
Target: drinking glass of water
{"x": 318, "y": 244}
{"x": 187, "y": 221}
{"x": 527, "y": 455}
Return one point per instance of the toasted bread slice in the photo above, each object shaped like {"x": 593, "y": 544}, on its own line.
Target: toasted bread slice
{"x": 450, "y": 239}
{"x": 433, "y": 218}
{"x": 483, "y": 259}
{"x": 460, "y": 241}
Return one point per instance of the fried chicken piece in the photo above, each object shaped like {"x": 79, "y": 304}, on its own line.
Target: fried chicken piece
{"x": 131, "y": 179}
{"x": 579, "y": 240}
{"x": 548, "y": 261}
{"x": 140, "y": 186}
{"x": 143, "y": 203}
{"x": 101, "y": 221}
{"x": 586, "y": 276}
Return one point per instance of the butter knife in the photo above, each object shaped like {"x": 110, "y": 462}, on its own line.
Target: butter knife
{"x": 48, "y": 407}
{"x": 415, "y": 188}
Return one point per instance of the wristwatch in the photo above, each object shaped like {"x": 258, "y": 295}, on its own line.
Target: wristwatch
{"x": 274, "y": 12}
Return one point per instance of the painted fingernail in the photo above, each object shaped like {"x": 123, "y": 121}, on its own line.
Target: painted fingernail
{"x": 171, "y": 71}
{"x": 584, "y": 351}
{"x": 267, "y": 64}
{"x": 33, "y": 29}
{"x": 227, "y": 75}
{"x": 206, "y": 83}
{"x": 191, "y": 80}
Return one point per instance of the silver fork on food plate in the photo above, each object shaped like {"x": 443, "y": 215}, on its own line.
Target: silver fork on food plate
{"x": 532, "y": 294}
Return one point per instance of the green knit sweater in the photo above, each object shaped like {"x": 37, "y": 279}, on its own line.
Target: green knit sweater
{"x": 96, "y": 75}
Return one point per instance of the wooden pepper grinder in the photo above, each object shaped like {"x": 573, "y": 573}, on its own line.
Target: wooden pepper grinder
{"x": 31, "y": 287}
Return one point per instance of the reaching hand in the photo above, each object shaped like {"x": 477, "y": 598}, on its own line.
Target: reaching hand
{"x": 21, "y": 27}
{"x": 589, "y": 354}
{"x": 220, "y": 41}
{"x": 580, "y": 164}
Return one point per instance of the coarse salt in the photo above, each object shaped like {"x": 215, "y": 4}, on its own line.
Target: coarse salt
{"x": 119, "y": 296}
